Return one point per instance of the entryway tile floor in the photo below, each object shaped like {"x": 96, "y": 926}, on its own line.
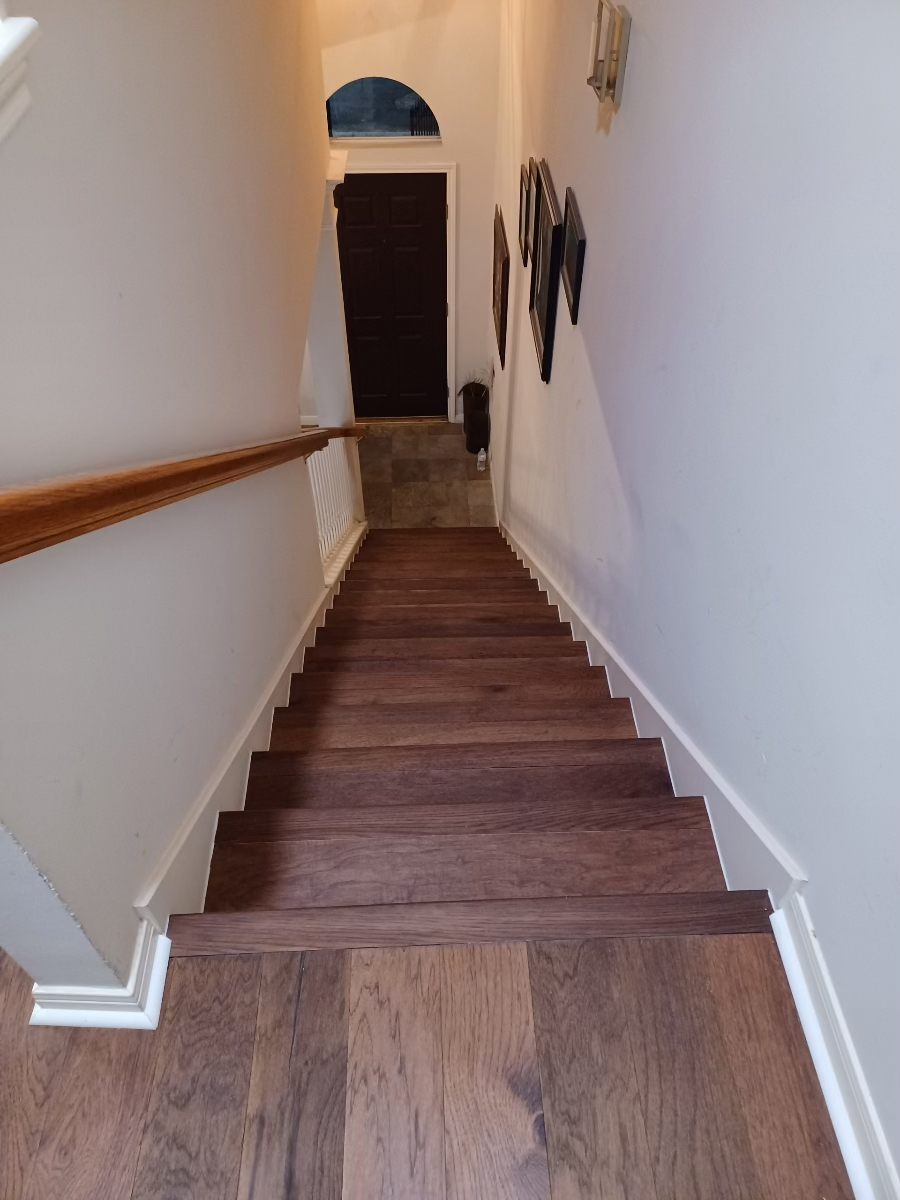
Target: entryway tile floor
{"x": 417, "y": 474}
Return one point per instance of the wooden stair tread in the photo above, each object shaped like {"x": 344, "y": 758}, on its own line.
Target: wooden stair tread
{"x": 525, "y": 646}
{"x": 494, "y": 600}
{"x": 498, "y": 755}
{"x": 460, "y": 626}
{"x": 535, "y": 608}
{"x": 420, "y": 868}
{"x": 320, "y": 688}
{"x": 482, "y": 815}
{"x": 636, "y": 768}
{"x": 429, "y": 712}
{"x": 502, "y": 669}
{"x": 580, "y": 918}
{"x": 436, "y": 581}
{"x": 436, "y": 724}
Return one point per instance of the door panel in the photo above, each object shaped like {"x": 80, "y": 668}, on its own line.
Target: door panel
{"x": 392, "y": 236}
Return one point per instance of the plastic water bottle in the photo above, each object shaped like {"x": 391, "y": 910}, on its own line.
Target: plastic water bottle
{"x": 482, "y": 459}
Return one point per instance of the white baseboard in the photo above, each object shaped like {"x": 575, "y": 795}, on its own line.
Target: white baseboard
{"x": 179, "y": 879}
{"x": 753, "y": 858}
{"x": 751, "y": 855}
{"x": 136, "y": 1005}
{"x": 859, "y": 1132}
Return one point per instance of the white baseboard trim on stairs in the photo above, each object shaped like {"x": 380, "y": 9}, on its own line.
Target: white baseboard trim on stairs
{"x": 857, "y": 1127}
{"x": 179, "y": 879}
{"x": 753, "y": 858}
{"x": 135, "y": 1005}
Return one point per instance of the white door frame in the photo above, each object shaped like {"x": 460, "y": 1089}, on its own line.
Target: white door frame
{"x": 411, "y": 167}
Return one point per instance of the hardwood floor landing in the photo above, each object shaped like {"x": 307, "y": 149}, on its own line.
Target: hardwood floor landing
{"x": 622, "y": 1069}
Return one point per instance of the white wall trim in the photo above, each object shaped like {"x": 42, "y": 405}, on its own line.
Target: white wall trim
{"x": 753, "y": 858}
{"x": 178, "y": 881}
{"x": 859, "y": 1132}
{"x": 136, "y": 1005}
{"x": 411, "y": 166}
{"x": 17, "y": 38}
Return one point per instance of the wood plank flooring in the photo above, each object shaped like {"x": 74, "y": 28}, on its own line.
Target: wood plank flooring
{"x": 622, "y": 1069}
{"x": 463, "y": 943}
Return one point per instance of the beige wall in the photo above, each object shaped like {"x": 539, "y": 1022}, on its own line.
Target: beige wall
{"x": 447, "y": 51}
{"x": 159, "y": 220}
{"x": 711, "y": 474}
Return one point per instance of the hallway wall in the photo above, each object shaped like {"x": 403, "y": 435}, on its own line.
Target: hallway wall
{"x": 711, "y": 474}
{"x": 447, "y": 50}
{"x": 160, "y": 207}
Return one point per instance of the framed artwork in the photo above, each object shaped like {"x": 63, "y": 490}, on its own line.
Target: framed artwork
{"x": 524, "y": 212}
{"x": 546, "y": 259}
{"x": 501, "y": 283}
{"x": 532, "y": 206}
{"x": 574, "y": 243}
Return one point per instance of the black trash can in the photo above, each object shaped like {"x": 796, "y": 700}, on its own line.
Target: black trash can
{"x": 476, "y": 419}
{"x": 477, "y": 428}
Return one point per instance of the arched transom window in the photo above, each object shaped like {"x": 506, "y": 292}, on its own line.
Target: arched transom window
{"x": 376, "y": 107}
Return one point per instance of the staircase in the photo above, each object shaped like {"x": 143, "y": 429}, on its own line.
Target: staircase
{"x": 451, "y": 768}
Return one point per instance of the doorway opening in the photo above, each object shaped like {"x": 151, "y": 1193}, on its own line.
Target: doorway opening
{"x": 395, "y": 243}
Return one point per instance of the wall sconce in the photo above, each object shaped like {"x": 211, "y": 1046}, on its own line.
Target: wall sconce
{"x": 609, "y": 47}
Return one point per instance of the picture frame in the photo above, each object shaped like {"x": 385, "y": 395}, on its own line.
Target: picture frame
{"x": 574, "y": 245}
{"x": 524, "y": 212}
{"x": 546, "y": 259}
{"x": 532, "y": 206}
{"x": 501, "y": 283}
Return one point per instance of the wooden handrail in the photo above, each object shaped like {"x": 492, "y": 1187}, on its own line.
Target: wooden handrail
{"x": 43, "y": 514}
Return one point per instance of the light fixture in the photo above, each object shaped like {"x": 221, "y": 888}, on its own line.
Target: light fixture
{"x": 609, "y": 47}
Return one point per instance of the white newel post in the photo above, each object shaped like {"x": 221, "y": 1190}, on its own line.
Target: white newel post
{"x": 329, "y": 365}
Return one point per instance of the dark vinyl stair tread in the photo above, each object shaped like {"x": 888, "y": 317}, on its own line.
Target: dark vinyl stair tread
{"x": 316, "y": 690}
{"x": 507, "y": 669}
{"x": 449, "y": 567}
{"x": 436, "y": 581}
{"x": 500, "y": 710}
{"x": 491, "y": 613}
{"x": 483, "y": 815}
{"x": 614, "y": 720}
{"x": 422, "y": 648}
{"x": 498, "y": 755}
{"x": 348, "y": 870}
{"x": 460, "y": 626}
{"x": 493, "y": 599}
{"x": 575, "y": 919}
{"x": 635, "y": 768}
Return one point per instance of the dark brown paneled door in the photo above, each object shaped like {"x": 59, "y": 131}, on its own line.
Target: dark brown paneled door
{"x": 392, "y": 235}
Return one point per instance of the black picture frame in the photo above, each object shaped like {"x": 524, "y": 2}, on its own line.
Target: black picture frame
{"x": 574, "y": 245}
{"x": 524, "y": 212}
{"x": 532, "y": 206}
{"x": 546, "y": 259}
{"x": 501, "y": 283}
